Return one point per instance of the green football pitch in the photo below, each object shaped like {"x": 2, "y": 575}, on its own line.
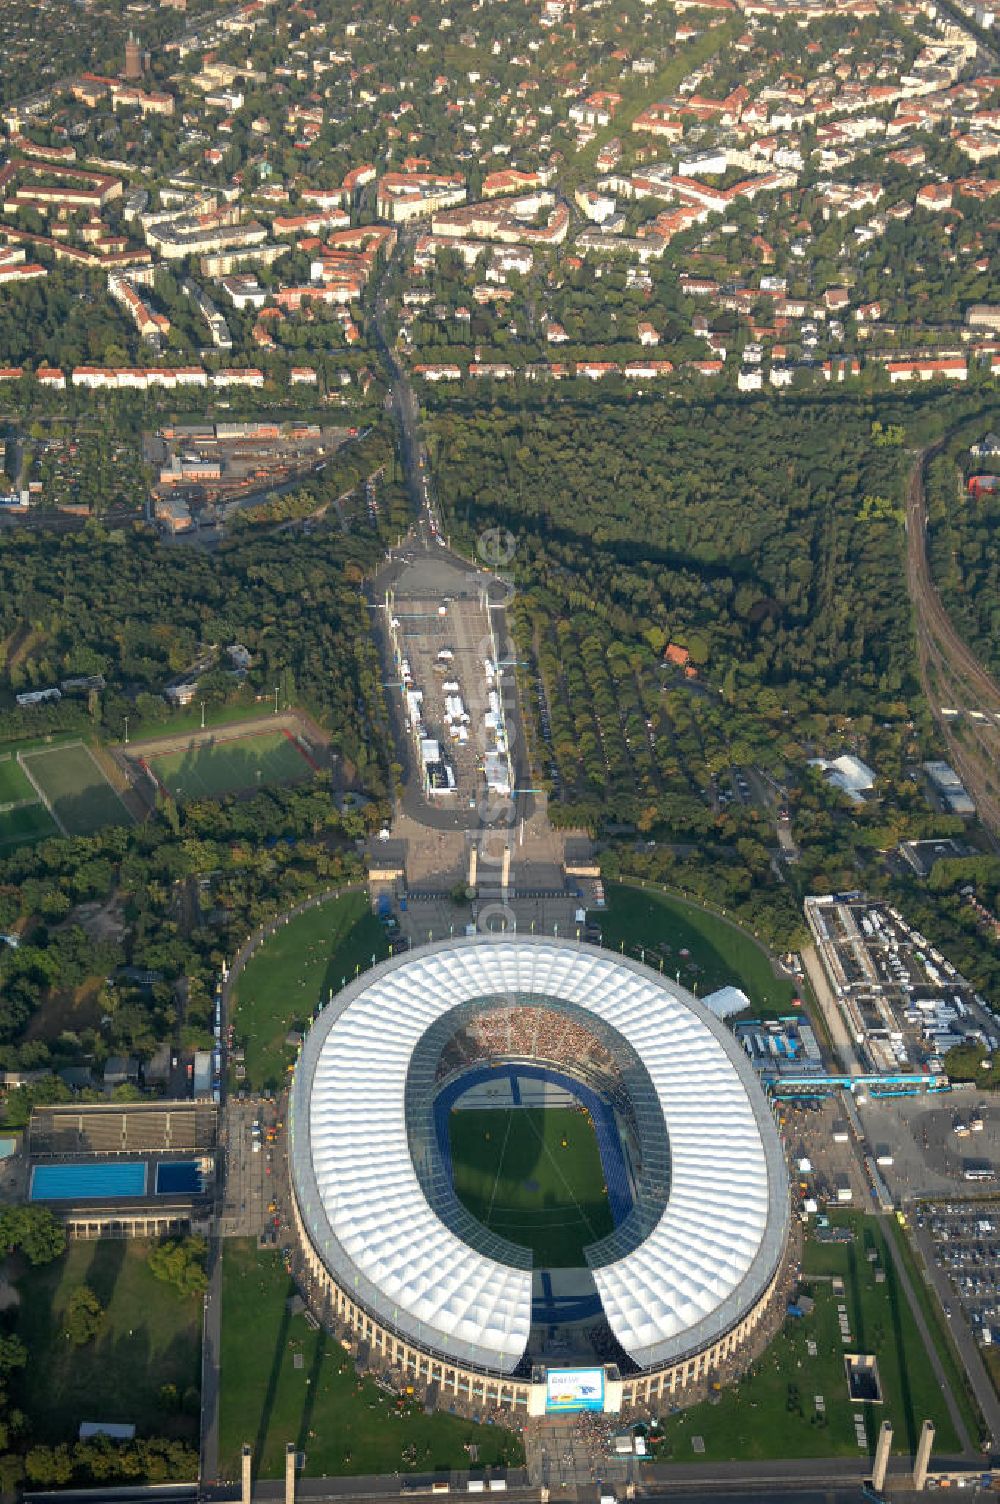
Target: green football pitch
{"x": 26, "y": 823}
{"x": 80, "y": 796}
{"x": 206, "y": 768}
{"x": 15, "y": 785}
{"x": 534, "y": 1176}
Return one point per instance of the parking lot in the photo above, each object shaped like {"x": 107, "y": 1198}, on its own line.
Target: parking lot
{"x": 928, "y": 1157}
{"x": 959, "y": 1242}
{"x": 912, "y": 1140}
{"x": 966, "y": 1246}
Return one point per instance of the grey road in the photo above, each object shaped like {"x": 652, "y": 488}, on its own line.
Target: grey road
{"x": 807, "y": 1481}
{"x": 424, "y": 552}
{"x": 210, "y": 1353}
{"x": 425, "y": 573}
{"x": 405, "y": 410}
{"x": 257, "y": 939}
{"x": 846, "y": 1494}
{"x": 820, "y": 1481}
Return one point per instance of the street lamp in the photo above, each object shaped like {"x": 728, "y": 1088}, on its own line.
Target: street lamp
{"x": 203, "y": 715}
{"x": 276, "y": 699}
{"x": 126, "y": 731}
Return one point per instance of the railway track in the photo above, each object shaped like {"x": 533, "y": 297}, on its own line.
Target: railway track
{"x": 950, "y": 672}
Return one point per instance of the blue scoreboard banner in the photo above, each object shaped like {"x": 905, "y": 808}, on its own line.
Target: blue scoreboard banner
{"x": 569, "y": 1389}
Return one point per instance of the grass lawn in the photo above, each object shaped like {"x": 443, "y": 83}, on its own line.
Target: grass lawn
{"x": 188, "y": 718}
{"x": 151, "y": 1337}
{"x": 29, "y": 822}
{"x": 80, "y": 795}
{"x": 14, "y": 782}
{"x": 345, "y": 1425}
{"x": 717, "y": 952}
{"x": 293, "y": 971}
{"x": 206, "y": 769}
{"x": 772, "y": 1412}
{"x": 533, "y": 1175}
{"x": 940, "y": 1330}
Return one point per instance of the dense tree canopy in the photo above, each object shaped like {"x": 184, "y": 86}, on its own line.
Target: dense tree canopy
{"x": 124, "y": 607}
{"x": 963, "y": 514}
{"x": 83, "y": 1317}
{"x": 739, "y": 537}
{"x": 181, "y": 1262}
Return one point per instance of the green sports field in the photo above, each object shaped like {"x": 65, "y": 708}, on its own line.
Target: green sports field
{"x": 207, "y": 769}
{"x": 80, "y": 796}
{"x": 14, "y": 782}
{"x": 533, "y": 1175}
{"x": 24, "y": 824}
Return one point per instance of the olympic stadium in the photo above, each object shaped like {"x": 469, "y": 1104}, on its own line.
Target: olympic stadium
{"x": 680, "y": 1215}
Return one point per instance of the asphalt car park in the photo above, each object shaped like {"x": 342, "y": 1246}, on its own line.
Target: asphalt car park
{"x": 965, "y": 1240}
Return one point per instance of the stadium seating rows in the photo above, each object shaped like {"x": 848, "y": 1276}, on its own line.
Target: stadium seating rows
{"x": 526, "y": 1033}
{"x": 125, "y": 1130}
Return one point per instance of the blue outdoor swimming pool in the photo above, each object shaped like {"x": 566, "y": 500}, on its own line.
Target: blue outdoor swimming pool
{"x": 180, "y": 1177}
{"x": 88, "y": 1182}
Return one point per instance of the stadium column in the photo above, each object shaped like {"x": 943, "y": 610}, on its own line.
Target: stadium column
{"x": 882, "y": 1451}
{"x": 247, "y": 1461}
{"x": 923, "y": 1455}
{"x": 290, "y": 1472}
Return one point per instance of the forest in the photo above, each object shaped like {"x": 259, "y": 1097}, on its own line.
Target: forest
{"x": 963, "y": 531}
{"x": 706, "y": 587}
{"x": 177, "y": 894}
{"x": 121, "y": 605}
{"x": 175, "y": 897}
{"x": 742, "y": 536}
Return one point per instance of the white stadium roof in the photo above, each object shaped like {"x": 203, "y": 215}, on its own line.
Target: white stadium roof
{"x": 708, "y": 1258}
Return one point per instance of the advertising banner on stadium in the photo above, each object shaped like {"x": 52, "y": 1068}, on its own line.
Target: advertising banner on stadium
{"x": 574, "y": 1389}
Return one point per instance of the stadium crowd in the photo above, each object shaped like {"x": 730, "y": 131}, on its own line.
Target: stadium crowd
{"x": 532, "y": 1032}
